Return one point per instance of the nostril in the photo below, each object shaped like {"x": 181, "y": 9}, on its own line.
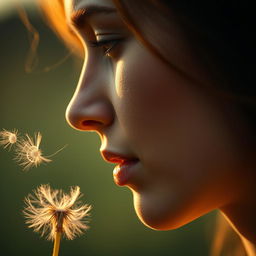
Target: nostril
{"x": 91, "y": 123}
{"x": 92, "y": 116}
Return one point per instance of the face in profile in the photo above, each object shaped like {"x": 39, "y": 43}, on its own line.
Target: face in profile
{"x": 169, "y": 138}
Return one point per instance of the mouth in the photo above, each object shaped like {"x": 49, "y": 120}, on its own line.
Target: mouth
{"x": 125, "y": 169}
{"x": 116, "y": 158}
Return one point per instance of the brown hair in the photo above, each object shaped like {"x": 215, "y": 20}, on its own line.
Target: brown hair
{"x": 220, "y": 33}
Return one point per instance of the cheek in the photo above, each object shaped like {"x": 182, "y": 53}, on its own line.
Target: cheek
{"x": 143, "y": 93}
{"x": 178, "y": 135}
{"x": 161, "y": 113}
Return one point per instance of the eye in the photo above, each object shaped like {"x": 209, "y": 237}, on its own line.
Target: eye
{"x": 106, "y": 45}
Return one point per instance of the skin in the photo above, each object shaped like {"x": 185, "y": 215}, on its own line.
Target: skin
{"x": 191, "y": 156}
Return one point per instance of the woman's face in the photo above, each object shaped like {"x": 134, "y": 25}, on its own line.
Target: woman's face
{"x": 170, "y": 140}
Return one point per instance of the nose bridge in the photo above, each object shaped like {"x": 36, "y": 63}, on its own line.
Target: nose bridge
{"x": 90, "y": 108}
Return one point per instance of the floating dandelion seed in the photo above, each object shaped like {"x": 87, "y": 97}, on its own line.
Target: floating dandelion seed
{"x": 56, "y": 213}
{"x": 29, "y": 154}
{"x": 8, "y": 138}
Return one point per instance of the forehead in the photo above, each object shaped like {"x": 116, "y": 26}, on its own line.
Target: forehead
{"x": 75, "y": 5}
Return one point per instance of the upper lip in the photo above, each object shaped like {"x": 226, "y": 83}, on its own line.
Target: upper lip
{"x": 113, "y": 157}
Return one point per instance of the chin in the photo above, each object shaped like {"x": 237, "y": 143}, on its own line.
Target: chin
{"x": 159, "y": 215}
{"x": 157, "y": 222}
{"x": 156, "y": 216}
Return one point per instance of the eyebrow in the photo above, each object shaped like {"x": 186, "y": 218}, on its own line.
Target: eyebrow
{"x": 79, "y": 16}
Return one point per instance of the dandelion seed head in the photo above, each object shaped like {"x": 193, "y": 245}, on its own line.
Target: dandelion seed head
{"x": 34, "y": 154}
{"x": 49, "y": 211}
{"x": 8, "y": 138}
{"x": 12, "y": 138}
{"x": 28, "y": 153}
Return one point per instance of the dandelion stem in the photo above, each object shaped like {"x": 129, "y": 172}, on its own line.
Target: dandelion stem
{"x": 56, "y": 246}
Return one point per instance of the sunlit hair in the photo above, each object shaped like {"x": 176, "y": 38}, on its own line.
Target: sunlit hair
{"x": 54, "y": 13}
{"x": 49, "y": 211}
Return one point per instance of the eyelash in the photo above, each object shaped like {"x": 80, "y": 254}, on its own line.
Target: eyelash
{"x": 104, "y": 43}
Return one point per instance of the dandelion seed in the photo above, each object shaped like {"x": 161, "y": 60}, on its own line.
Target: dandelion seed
{"x": 29, "y": 154}
{"x": 56, "y": 213}
{"x": 8, "y": 138}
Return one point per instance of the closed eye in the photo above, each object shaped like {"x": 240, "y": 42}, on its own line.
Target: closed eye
{"x": 106, "y": 45}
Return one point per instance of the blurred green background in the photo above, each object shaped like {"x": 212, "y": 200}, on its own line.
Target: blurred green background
{"x": 36, "y": 101}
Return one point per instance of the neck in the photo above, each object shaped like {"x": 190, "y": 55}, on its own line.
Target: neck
{"x": 250, "y": 248}
{"x": 241, "y": 215}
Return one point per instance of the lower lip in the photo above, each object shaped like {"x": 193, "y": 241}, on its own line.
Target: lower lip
{"x": 123, "y": 173}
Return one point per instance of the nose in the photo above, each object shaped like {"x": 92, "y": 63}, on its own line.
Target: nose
{"x": 90, "y": 108}
{"x": 88, "y": 117}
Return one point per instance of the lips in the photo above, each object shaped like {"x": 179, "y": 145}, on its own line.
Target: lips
{"x": 116, "y": 158}
{"x": 126, "y": 168}
{"x": 125, "y": 173}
